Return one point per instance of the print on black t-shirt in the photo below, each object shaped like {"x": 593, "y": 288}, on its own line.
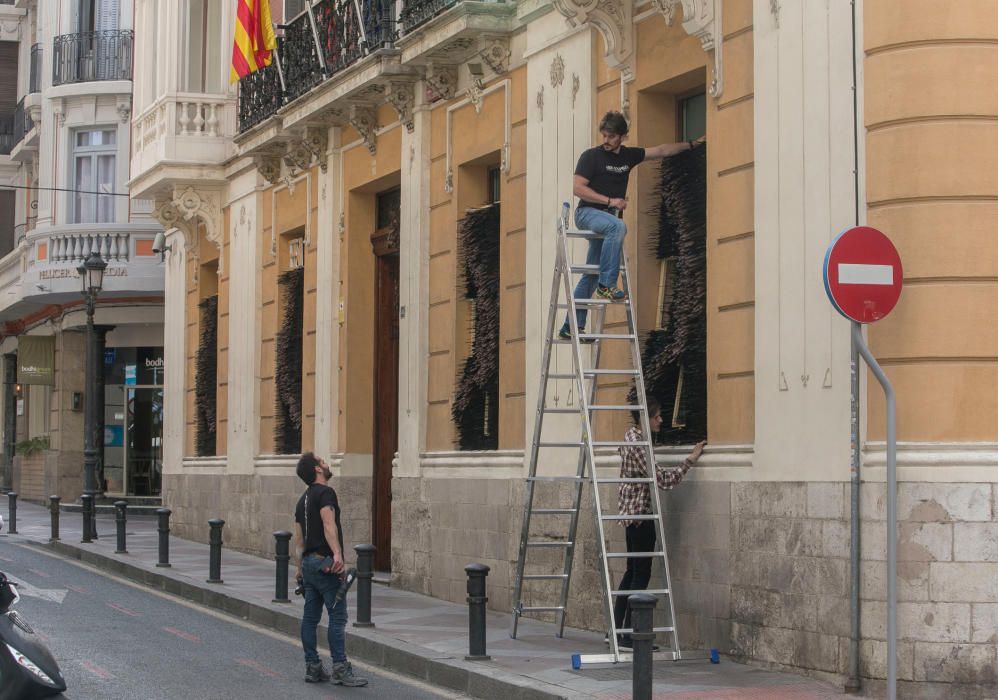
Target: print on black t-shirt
{"x": 318, "y": 496}
{"x": 607, "y": 171}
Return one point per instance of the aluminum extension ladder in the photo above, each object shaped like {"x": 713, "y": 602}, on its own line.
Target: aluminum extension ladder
{"x": 587, "y": 388}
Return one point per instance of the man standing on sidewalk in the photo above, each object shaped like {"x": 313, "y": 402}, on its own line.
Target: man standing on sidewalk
{"x": 319, "y": 545}
{"x": 601, "y": 177}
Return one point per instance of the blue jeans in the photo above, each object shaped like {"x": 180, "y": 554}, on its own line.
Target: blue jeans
{"x": 602, "y": 251}
{"x": 320, "y": 589}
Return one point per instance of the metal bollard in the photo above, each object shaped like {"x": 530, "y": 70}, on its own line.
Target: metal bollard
{"x": 88, "y": 517}
{"x": 120, "y": 519}
{"x": 54, "y": 512}
{"x": 365, "y": 572}
{"x": 282, "y": 557}
{"x": 642, "y": 621}
{"x": 12, "y": 512}
{"x": 164, "y": 537}
{"x": 215, "y": 550}
{"x": 476, "y": 611}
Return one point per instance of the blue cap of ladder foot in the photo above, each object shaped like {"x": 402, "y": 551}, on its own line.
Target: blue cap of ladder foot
{"x": 715, "y": 658}
{"x": 576, "y": 662}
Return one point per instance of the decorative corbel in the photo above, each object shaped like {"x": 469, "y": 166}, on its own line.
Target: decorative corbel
{"x": 495, "y": 52}
{"x": 612, "y": 18}
{"x": 702, "y": 19}
{"x": 364, "y": 119}
{"x": 205, "y": 205}
{"x": 316, "y": 140}
{"x": 441, "y": 81}
{"x": 269, "y": 166}
{"x": 401, "y": 96}
{"x": 297, "y": 156}
{"x": 124, "y": 106}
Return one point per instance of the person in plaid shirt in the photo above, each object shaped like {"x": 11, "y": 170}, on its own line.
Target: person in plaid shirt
{"x": 635, "y": 499}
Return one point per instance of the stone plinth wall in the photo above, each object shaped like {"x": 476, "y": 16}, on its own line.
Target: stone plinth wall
{"x": 254, "y": 507}
{"x": 760, "y": 570}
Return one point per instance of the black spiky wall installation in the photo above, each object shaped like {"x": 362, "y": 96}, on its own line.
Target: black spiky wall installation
{"x": 205, "y": 378}
{"x": 476, "y": 399}
{"x": 288, "y": 364}
{"x": 681, "y": 347}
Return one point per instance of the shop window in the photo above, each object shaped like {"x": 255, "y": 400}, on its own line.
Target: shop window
{"x": 93, "y": 176}
{"x": 288, "y": 349}
{"x": 674, "y": 355}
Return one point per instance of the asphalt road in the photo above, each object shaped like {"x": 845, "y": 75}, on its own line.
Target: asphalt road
{"x": 114, "y": 639}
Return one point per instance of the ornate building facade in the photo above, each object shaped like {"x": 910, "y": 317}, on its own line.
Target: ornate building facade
{"x": 317, "y": 293}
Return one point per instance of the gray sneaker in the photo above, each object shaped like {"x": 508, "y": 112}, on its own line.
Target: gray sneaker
{"x": 343, "y": 675}
{"x": 315, "y": 673}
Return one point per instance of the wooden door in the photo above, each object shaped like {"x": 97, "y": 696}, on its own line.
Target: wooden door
{"x": 386, "y": 379}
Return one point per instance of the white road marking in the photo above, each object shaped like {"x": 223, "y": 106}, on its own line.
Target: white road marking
{"x": 54, "y": 595}
{"x": 854, "y": 273}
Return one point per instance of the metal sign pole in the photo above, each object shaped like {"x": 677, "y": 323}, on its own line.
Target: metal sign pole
{"x": 892, "y": 508}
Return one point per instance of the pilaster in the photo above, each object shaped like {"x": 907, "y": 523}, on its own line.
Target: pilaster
{"x": 174, "y": 351}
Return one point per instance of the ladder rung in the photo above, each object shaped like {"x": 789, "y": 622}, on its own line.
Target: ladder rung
{"x": 629, "y": 630}
{"x": 552, "y": 511}
{"x": 544, "y": 577}
{"x": 650, "y": 591}
{"x": 593, "y": 301}
{"x": 576, "y": 479}
{"x": 604, "y": 372}
{"x": 579, "y": 233}
{"x": 626, "y": 480}
{"x": 604, "y": 336}
{"x": 616, "y": 407}
{"x": 545, "y": 543}
{"x": 620, "y": 443}
{"x": 559, "y": 444}
{"x": 587, "y": 269}
{"x": 643, "y": 516}
{"x": 633, "y": 555}
{"x": 542, "y": 608}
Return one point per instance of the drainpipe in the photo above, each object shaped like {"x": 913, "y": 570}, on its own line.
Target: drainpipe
{"x": 854, "y": 684}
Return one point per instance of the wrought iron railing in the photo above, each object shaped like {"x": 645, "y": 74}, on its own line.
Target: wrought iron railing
{"x": 340, "y": 42}
{"x": 35, "y": 76}
{"x": 91, "y": 56}
{"x": 415, "y": 12}
{"x": 22, "y": 122}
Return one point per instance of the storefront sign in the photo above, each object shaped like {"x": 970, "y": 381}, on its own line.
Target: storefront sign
{"x": 60, "y": 272}
{"x": 36, "y": 359}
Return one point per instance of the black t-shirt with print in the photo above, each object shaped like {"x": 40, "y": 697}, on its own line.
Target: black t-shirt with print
{"x": 607, "y": 171}
{"x": 315, "y": 498}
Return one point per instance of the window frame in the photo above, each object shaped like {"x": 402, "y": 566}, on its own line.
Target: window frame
{"x": 93, "y": 153}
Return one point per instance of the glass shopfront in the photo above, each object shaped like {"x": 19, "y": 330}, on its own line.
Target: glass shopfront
{"x": 133, "y": 421}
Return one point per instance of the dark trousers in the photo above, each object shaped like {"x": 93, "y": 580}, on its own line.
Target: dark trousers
{"x": 640, "y": 538}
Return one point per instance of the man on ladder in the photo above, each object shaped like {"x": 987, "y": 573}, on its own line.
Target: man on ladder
{"x": 601, "y": 177}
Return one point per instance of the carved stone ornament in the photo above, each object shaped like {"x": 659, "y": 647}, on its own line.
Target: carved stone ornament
{"x": 316, "y": 140}
{"x": 269, "y": 166}
{"x": 449, "y": 181}
{"x": 557, "y": 71}
{"x": 124, "y": 108}
{"x": 441, "y": 82}
{"x": 496, "y": 53}
{"x": 186, "y": 209}
{"x": 59, "y": 111}
{"x": 476, "y": 95}
{"x": 364, "y": 119}
{"x": 702, "y": 19}
{"x": 575, "y": 87}
{"x": 612, "y": 18}
{"x": 402, "y": 97}
{"x": 297, "y": 157}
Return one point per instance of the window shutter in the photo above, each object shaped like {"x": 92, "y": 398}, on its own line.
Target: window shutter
{"x": 107, "y": 15}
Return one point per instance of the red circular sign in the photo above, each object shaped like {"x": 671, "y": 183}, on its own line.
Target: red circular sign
{"x": 863, "y": 275}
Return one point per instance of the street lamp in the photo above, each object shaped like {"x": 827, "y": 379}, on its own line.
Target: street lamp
{"x": 92, "y": 276}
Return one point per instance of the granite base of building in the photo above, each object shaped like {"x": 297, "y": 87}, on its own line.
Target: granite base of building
{"x": 760, "y": 570}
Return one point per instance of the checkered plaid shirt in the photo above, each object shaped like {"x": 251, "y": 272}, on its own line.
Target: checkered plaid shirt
{"x": 635, "y": 499}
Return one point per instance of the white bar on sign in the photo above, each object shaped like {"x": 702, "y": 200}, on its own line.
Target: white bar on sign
{"x": 851, "y": 273}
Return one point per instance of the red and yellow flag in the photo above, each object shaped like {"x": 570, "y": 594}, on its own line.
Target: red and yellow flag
{"x": 254, "y": 42}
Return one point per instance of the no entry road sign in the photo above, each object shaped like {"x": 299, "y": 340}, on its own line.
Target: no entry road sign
{"x": 863, "y": 274}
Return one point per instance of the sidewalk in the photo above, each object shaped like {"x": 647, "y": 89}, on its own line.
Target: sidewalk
{"x": 414, "y": 634}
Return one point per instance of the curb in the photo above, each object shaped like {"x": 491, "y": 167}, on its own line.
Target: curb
{"x": 371, "y": 646}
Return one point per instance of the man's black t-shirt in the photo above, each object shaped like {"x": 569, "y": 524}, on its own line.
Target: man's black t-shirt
{"x": 607, "y": 171}
{"x": 315, "y": 498}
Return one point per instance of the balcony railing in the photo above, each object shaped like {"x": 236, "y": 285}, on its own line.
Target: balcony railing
{"x": 22, "y": 123}
{"x": 415, "y": 12}
{"x": 76, "y": 247}
{"x": 341, "y": 45}
{"x": 35, "y": 81}
{"x": 91, "y": 56}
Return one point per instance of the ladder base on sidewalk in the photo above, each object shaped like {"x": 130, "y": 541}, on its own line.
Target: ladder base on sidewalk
{"x": 590, "y": 661}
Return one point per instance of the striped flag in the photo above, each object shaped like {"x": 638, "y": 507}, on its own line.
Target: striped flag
{"x": 254, "y": 41}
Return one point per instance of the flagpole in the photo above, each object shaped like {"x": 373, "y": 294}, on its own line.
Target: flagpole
{"x": 360, "y": 25}
{"x": 280, "y": 73}
{"x": 315, "y": 36}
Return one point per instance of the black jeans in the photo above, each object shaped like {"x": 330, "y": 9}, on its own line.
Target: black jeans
{"x": 640, "y": 538}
